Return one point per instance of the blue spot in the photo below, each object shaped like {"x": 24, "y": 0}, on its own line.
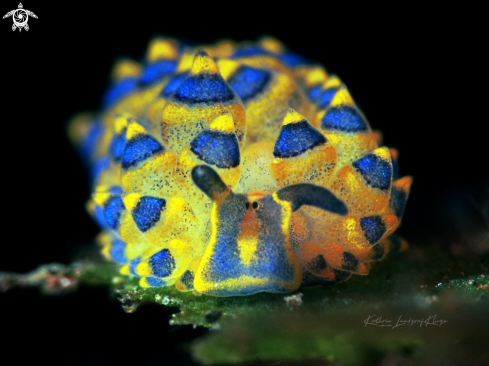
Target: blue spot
{"x": 132, "y": 266}
{"x": 113, "y": 208}
{"x": 100, "y": 217}
{"x": 157, "y": 70}
{"x": 97, "y": 168}
{"x": 217, "y": 148}
{"x": 118, "y": 90}
{"x": 373, "y": 227}
{"x": 292, "y": 59}
{"x": 248, "y": 82}
{"x": 140, "y": 148}
{"x": 350, "y": 262}
{"x": 117, "y": 145}
{"x": 376, "y": 171}
{"x": 90, "y": 141}
{"x": 313, "y": 93}
{"x": 117, "y": 252}
{"x": 155, "y": 282}
{"x": 395, "y": 169}
{"x": 378, "y": 252}
{"x": 204, "y": 88}
{"x": 116, "y": 190}
{"x": 172, "y": 85}
{"x": 345, "y": 119}
{"x": 318, "y": 263}
{"x": 326, "y": 97}
{"x": 395, "y": 245}
{"x": 162, "y": 263}
{"x": 249, "y": 51}
{"x": 296, "y": 138}
{"x": 397, "y": 201}
{"x": 224, "y": 263}
{"x": 188, "y": 280}
{"x": 147, "y": 212}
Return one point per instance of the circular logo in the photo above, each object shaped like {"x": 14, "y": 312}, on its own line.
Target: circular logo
{"x": 20, "y": 17}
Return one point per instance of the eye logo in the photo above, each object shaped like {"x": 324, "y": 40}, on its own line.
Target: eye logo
{"x": 20, "y": 17}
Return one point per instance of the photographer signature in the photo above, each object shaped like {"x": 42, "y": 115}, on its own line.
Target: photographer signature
{"x": 381, "y": 322}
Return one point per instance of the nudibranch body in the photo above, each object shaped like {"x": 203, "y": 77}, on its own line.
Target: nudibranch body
{"x": 232, "y": 169}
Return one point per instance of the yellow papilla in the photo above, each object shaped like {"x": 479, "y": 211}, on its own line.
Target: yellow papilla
{"x": 354, "y": 237}
{"x": 342, "y": 97}
{"x": 125, "y": 68}
{"x": 120, "y": 122}
{"x": 227, "y": 68}
{"x": 315, "y": 76}
{"x": 134, "y": 129}
{"x": 293, "y": 117}
{"x": 332, "y": 82}
{"x": 161, "y": 49}
{"x": 125, "y": 270}
{"x": 203, "y": 63}
{"x": 143, "y": 269}
{"x": 131, "y": 200}
{"x": 224, "y": 123}
{"x": 272, "y": 45}
{"x": 185, "y": 62}
{"x": 101, "y": 197}
{"x": 383, "y": 152}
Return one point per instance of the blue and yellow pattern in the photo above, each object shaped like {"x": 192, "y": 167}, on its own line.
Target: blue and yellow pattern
{"x": 232, "y": 169}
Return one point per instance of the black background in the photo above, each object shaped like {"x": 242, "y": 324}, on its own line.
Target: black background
{"x": 417, "y": 73}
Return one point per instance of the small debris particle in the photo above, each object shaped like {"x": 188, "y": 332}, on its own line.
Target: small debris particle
{"x": 294, "y": 300}
{"x": 213, "y": 316}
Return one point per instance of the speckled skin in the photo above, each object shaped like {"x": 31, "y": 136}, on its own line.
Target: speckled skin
{"x": 232, "y": 169}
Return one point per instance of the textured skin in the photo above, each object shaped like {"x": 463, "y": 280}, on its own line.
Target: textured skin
{"x": 237, "y": 168}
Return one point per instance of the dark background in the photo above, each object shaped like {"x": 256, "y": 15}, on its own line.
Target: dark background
{"x": 417, "y": 73}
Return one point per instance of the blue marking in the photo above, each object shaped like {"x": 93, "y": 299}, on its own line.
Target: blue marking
{"x": 350, "y": 262}
{"x": 117, "y": 252}
{"x": 376, "y": 171}
{"x": 217, "y": 148}
{"x": 204, "y": 88}
{"x": 147, "y": 212}
{"x": 326, "y": 97}
{"x": 140, "y": 148}
{"x": 117, "y": 146}
{"x": 100, "y": 217}
{"x": 297, "y": 138}
{"x": 157, "y": 70}
{"x": 318, "y": 263}
{"x": 113, "y": 208}
{"x": 116, "y": 190}
{"x": 118, "y": 90}
{"x": 345, "y": 118}
{"x": 373, "y": 227}
{"x": 172, "y": 85}
{"x": 90, "y": 141}
{"x": 248, "y": 82}
{"x": 292, "y": 59}
{"x": 378, "y": 252}
{"x": 397, "y": 201}
{"x": 162, "y": 263}
{"x": 314, "y": 92}
{"x": 395, "y": 245}
{"x": 155, "y": 282}
{"x": 395, "y": 169}
{"x": 224, "y": 263}
{"x": 98, "y": 167}
{"x": 249, "y": 51}
{"x": 132, "y": 266}
{"x": 188, "y": 280}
